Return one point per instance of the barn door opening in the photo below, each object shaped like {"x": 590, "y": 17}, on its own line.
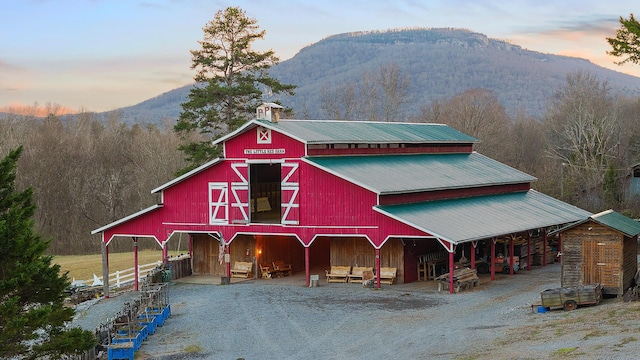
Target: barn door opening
{"x": 265, "y": 193}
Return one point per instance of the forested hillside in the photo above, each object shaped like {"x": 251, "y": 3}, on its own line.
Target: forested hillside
{"x": 438, "y": 64}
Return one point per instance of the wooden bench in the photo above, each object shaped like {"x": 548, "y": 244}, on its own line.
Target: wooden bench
{"x": 356, "y": 274}
{"x": 338, "y": 274}
{"x": 241, "y": 269}
{"x": 285, "y": 269}
{"x": 268, "y": 272}
{"x": 388, "y": 275}
{"x": 463, "y": 279}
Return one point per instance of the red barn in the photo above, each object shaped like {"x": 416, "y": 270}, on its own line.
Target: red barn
{"x": 316, "y": 193}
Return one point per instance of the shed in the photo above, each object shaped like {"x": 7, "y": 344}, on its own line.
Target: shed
{"x": 601, "y": 249}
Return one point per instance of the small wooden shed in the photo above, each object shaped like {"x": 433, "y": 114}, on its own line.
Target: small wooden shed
{"x": 601, "y": 249}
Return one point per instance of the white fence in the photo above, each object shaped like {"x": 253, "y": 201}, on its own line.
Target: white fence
{"x": 121, "y": 278}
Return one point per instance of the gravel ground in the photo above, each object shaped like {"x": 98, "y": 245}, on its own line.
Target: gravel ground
{"x": 281, "y": 319}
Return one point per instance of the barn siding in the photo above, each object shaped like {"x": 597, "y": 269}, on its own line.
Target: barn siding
{"x": 356, "y": 251}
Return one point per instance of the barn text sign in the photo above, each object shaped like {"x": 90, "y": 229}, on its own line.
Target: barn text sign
{"x": 263, "y": 151}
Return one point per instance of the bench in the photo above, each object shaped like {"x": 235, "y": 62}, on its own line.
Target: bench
{"x": 338, "y": 274}
{"x": 268, "y": 272}
{"x": 388, "y": 275}
{"x": 241, "y": 269}
{"x": 463, "y": 279}
{"x": 280, "y": 266}
{"x": 356, "y": 274}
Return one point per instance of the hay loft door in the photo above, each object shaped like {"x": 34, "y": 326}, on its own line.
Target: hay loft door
{"x": 265, "y": 192}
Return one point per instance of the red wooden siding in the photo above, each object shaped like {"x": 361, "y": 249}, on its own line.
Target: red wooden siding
{"x": 370, "y": 149}
{"x": 452, "y": 194}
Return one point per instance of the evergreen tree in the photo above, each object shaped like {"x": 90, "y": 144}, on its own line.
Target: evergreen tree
{"x": 230, "y": 79}
{"x": 627, "y": 41}
{"x": 32, "y": 310}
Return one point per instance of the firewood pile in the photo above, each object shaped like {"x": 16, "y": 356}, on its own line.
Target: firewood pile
{"x": 463, "y": 279}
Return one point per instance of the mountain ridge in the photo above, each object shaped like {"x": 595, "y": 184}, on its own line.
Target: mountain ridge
{"x": 440, "y": 63}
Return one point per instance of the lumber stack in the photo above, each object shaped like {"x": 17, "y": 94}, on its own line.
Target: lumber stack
{"x": 463, "y": 279}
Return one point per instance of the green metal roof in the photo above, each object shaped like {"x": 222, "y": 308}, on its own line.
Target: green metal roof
{"x": 360, "y": 132}
{"x": 618, "y": 222}
{"x": 610, "y": 219}
{"x": 388, "y": 174}
{"x": 467, "y": 219}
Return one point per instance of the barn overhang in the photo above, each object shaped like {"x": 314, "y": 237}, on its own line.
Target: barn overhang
{"x": 481, "y": 217}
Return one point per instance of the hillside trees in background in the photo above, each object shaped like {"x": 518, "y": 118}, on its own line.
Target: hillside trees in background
{"x": 230, "y": 78}
{"x": 33, "y": 315}
{"x": 478, "y": 113}
{"x": 585, "y": 138}
{"x": 378, "y": 95}
{"x": 87, "y": 173}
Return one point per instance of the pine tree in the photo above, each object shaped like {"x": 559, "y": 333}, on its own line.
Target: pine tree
{"x": 230, "y": 80}
{"x": 32, "y": 310}
{"x": 627, "y": 41}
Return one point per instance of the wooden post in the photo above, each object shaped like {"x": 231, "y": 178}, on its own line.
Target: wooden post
{"x": 451, "y": 270}
{"x": 493, "y": 259}
{"x": 307, "y": 271}
{"x": 227, "y": 255}
{"x": 136, "y": 270}
{"x": 377, "y": 268}
{"x": 105, "y": 268}
{"x": 190, "y": 246}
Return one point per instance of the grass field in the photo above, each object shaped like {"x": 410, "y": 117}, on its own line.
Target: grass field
{"x": 82, "y": 267}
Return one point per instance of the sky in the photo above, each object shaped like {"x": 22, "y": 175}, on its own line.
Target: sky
{"x": 101, "y": 55}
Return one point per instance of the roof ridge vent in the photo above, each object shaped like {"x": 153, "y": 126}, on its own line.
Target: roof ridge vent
{"x": 269, "y": 111}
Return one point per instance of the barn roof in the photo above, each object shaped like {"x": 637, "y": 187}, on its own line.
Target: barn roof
{"x": 467, "y": 219}
{"x": 612, "y": 220}
{"x": 420, "y": 172}
{"x": 359, "y": 132}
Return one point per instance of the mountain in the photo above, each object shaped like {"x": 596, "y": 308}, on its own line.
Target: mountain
{"x": 440, "y": 64}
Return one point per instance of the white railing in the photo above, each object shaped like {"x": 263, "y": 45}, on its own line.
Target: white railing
{"x": 126, "y": 277}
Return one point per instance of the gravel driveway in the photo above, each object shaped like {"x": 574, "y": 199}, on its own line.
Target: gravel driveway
{"x": 282, "y": 319}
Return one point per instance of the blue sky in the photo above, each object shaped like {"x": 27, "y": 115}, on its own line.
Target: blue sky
{"x": 99, "y": 55}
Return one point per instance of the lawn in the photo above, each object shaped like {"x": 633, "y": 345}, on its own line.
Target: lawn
{"x": 82, "y": 267}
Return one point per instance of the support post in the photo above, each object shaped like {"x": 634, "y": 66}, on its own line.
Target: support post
{"x": 165, "y": 249}
{"x": 136, "y": 269}
{"x": 227, "y": 255}
{"x": 451, "y": 270}
{"x": 493, "y": 259}
{"x": 544, "y": 248}
{"x": 190, "y": 246}
{"x": 377, "y": 268}
{"x": 528, "y": 251}
{"x": 511, "y": 261}
{"x": 105, "y": 269}
{"x": 307, "y": 271}
{"x": 474, "y": 246}
{"x": 560, "y": 248}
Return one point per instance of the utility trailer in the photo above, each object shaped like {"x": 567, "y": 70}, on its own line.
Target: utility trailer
{"x": 570, "y": 297}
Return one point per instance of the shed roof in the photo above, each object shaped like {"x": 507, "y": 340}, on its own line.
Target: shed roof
{"x": 359, "y": 132}
{"x": 389, "y": 174}
{"x": 612, "y": 220}
{"x": 467, "y": 219}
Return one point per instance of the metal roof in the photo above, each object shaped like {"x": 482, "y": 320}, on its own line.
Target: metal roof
{"x": 359, "y": 132}
{"x": 467, "y": 219}
{"x": 388, "y": 174}
{"x": 610, "y": 219}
